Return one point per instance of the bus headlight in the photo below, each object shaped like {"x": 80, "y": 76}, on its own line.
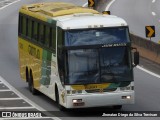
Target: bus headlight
{"x": 126, "y": 97}
{"x": 78, "y": 102}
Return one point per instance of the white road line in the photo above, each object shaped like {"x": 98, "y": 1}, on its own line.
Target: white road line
{"x": 153, "y": 13}
{"x": 85, "y": 4}
{"x": 19, "y": 94}
{"x": 25, "y": 98}
{"x": 9, "y": 4}
{"x": 15, "y": 108}
{"x": 109, "y": 5}
{"x": 5, "y": 90}
{"x": 149, "y": 72}
{"x": 11, "y": 99}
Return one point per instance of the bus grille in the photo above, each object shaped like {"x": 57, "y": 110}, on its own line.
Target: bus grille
{"x": 101, "y": 90}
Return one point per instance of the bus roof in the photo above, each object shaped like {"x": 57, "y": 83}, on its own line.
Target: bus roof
{"x": 53, "y": 9}
{"x": 80, "y": 21}
{"x": 70, "y": 16}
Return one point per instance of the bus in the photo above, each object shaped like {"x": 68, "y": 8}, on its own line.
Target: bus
{"x": 76, "y": 56}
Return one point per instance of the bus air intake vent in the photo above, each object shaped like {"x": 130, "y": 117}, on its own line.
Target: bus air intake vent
{"x": 101, "y": 91}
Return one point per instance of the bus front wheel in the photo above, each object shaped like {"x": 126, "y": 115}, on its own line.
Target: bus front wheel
{"x": 57, "y": 100}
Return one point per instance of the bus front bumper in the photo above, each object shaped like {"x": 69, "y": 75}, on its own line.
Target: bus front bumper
{"x": 99, "y": 99}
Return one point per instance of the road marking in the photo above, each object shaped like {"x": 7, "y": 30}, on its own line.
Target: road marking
{"x": 85, "y": 4}
{"x": 153, "y": 13}
{"x": 149, "y": 72}
{"x": 5, "y": 90}
{"x": 35, "y": 106}
{"x": 13, "y": 108}
{"x": 109, "y": 5}
{"x": 11, "y": 99}
{"x": 19, "y": 94}
{"x": 9, "y": 4}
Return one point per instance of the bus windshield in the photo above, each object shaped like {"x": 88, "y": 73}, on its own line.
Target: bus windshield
{"x": 88, "y": 66}
{"x": 101, "y": 64}
{"x": 96, "y": 36}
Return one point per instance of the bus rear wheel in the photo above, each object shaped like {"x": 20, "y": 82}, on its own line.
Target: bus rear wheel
{"x": 31, "y": 84}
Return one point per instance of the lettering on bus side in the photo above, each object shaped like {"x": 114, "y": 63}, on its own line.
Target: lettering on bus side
{"x": 34, "y": 51}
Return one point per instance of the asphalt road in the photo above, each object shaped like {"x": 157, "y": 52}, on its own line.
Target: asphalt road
{"x": 146, "y": 86}
{"x": 138, "y": 14}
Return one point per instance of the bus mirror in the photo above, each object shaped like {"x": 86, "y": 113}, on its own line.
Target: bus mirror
{"x": 136, "y": 58}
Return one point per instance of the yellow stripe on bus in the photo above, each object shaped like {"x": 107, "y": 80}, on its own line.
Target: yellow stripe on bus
{"x": 90, "y": 86}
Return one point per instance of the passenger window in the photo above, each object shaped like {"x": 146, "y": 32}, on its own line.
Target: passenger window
{"x": 29, "y": 28}
{"x": 53, "y": 38}
{"x": 47, "y": 36}
{"x": 20, "y": 24}
{"x": 35, "y": 31}
{"x": 41, "y": 33}
{"x": 24, "y": 26}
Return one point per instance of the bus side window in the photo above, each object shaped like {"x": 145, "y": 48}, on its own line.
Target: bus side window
{"x": 29, "y": 28}
{"x": 53, "y": 39}
{"x": 27, "y": 24}
{"x": 41, "y": 33}
{"x": 61, "y": 55}
{"x": 24, "y": 25}
{"x": 20, "y": 24}
{"x": 35, "y": 31}
{"x": 59, "y": 41}
{"x": 32, "y": 28}
{"x": 47, "y": 36}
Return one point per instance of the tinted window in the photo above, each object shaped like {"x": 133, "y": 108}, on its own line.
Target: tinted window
{"x": 24, "y": 25}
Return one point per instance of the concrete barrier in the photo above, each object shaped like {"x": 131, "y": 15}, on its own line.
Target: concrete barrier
{"x": 148, "y": 49}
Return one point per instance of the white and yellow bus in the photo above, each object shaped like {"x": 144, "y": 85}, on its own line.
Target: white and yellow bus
{"x": 76, "y": 56}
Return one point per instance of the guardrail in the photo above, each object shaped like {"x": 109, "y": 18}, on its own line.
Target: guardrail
{"x": 148, "y": 49}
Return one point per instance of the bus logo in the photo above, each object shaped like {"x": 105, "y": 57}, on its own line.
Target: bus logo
{"x": 34, "y": 52}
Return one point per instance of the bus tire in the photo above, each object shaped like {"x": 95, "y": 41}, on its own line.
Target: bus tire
{"x": 61, "y": 108}
{"x": 27, "y": 75}
{"x": 31, "y": 84}
{"x": 117, "y": 107}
